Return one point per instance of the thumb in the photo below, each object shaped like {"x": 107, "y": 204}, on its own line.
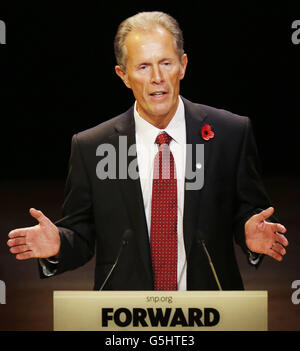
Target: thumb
{"x": 38, "y": 215}
{"x": 265, "y": 214}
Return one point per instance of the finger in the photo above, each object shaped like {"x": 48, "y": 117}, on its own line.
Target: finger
{"x": 17, "y": 233}
{"x": 278, "y": 249}
{"x": 282, "y": 239}
{"x": 25, "y": 255}
{"x": 265, "y": 214}
{"x": 274, "y": 255}
{"x": 17, "y": 241}
{"x": 38, "y": 215}
{"x": 18, "y": 249}
{"x": 277, "y": 227}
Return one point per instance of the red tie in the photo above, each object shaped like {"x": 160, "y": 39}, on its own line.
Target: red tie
{"x": 164, "y": 217}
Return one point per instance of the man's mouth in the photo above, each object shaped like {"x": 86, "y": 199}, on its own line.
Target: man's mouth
{"x": 158, "y": 93}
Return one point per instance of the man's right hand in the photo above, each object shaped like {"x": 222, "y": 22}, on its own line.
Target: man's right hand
{"x": 39, "y": 241}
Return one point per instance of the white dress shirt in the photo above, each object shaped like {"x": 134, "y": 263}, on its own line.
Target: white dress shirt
{"x": 146, "y": 134}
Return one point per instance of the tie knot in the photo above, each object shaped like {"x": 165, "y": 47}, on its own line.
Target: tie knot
{"x": 163, "y": 138}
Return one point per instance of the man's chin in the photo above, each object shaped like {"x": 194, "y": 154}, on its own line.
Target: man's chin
{"x": 162, "y": 109}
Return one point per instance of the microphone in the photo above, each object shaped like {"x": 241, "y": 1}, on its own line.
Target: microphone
{"x": 212, "y": 267}
{"x": 127, "y": 234}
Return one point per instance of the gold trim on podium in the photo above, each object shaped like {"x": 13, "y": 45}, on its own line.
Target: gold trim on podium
{"x": 158, "y": 310}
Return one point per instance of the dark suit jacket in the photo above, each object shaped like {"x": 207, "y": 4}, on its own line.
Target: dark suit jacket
{"x": 97, "y": 212}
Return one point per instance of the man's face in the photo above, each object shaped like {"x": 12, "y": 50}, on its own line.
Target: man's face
{"x": 153, "y": 72}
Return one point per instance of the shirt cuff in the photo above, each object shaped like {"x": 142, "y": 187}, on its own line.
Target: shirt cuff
{"x": 254, "y": 257}
{"x": 52, "y": 260}
{"x": 48, "y": 269}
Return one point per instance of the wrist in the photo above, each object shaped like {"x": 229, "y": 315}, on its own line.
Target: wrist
{"x": 56, "y": 253}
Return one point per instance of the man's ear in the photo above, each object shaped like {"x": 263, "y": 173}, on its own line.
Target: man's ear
{"x": 122, "y": 75}
{"x": 184, "y": 62}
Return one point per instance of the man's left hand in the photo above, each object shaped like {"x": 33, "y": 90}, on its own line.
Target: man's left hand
{"x": 264, "y": 237}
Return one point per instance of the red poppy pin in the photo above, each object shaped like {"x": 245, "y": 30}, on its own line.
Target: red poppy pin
{"x": 206, "y": 132}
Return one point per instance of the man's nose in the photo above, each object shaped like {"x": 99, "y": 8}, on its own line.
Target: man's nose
{"x": 157, "y": 76}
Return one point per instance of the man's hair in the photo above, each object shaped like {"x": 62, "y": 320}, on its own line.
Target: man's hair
{"x": 146, "y": 21}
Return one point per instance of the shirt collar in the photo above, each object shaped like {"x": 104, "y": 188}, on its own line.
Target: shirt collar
{"x": 175, "y": 128}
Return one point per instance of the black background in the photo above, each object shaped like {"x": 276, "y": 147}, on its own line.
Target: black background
{"x": 57, "y": 75}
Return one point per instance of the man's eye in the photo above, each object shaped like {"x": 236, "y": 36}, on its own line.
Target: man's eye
{"x": 143, "y": 67}
{"x": 166, "y": 63}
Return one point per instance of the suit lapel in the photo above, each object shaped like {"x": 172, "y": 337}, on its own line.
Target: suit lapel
{"x": 132, "y": 193}
{"x": 195, "y": 118}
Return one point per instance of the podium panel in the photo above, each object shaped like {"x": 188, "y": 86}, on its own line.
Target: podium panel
{"x": 160, "y": 311}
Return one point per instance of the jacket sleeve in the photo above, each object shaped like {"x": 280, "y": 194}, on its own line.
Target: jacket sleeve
{"x": 251, "y": 194}
{"x": 76, "y": 228}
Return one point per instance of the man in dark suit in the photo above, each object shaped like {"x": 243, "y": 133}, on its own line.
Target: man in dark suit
{"x": 116, "y": 215}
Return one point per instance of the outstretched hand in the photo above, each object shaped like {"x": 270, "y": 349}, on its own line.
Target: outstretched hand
{"x": 264, "y": 237}
{"x": 39, "y": 241}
